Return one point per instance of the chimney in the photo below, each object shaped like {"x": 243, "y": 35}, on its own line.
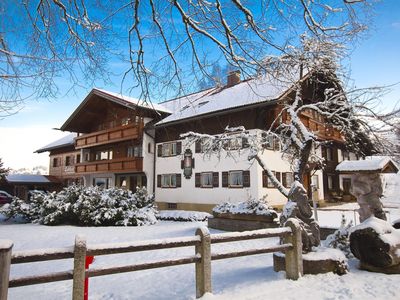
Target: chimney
{"x": 233, "y": 78}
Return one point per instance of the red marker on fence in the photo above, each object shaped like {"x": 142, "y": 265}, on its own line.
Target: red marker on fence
{"x": 88, "y": 261}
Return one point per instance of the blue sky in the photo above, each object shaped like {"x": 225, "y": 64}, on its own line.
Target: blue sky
{"x": 375, "y": 61}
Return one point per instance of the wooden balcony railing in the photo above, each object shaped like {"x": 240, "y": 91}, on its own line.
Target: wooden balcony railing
{"x": 112, "y": 135}
{"x": 127, "y": 164}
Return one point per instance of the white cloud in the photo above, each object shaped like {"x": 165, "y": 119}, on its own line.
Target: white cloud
{"x": 18, "y": 145}
{"x": 396, "y": 25}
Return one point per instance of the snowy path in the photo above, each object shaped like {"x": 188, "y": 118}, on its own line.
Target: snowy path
{"x": 240, "y": 278}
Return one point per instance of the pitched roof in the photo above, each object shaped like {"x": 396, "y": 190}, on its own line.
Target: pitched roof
{"x": 116, "y": 98}
{"x": 68, "y": 140}
{"x": 27, "y": 178}
{"x": 373, "y": 164}
{"x": 245, "y": 93}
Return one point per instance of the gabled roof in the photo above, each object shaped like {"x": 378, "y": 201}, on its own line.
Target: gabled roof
{"x": 374, "y": 164}
{"x": 246, "y": 93}
{"x": 27, "y": 178}
{"x": 115, "y": 98}
{"x": 68, "y": 140}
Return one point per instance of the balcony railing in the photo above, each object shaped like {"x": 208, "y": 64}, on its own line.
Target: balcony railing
{"x": 128, "y": 164}
{"x": 116, "y": 134}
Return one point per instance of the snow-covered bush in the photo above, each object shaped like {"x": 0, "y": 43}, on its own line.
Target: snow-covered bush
{"x": 87, "y": 206}
{"x": 249, "y": 207}
{"x": 183, "y": 215}
{"x": 340, "y": 238}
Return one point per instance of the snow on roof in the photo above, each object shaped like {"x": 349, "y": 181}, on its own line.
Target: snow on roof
{"x": 68, "y": 140}
{"x": 28, "y": 178}
{"x": 372, "y": 164}
{"x": 256, "y": 90}
{"x": 135, "y": 101}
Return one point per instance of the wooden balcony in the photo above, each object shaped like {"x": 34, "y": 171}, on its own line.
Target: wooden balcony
{"x": 112, "y": 135}
{"x": 120, "y": 165}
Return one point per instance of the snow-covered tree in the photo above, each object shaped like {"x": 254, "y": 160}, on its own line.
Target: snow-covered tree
{"x": 3, "y": 171}
{"x": 314, "y": 66}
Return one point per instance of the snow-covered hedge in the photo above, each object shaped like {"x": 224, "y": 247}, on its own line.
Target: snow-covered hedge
{"x": 249, "y": 207}
{"x": 87, "y": 206}
{"x": 182, "y": 215}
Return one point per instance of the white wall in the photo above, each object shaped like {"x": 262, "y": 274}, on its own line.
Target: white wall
{"x": 188, "y": 193}
{"x": 148, "y": 158}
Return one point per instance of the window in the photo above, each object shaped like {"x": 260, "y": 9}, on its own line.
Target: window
{"x": 287, "y": 179}
{"x": 267, "y": 182}
{"x": 270, "y": 142}
{"x": 202, "y": 103}
{"x": 104, "y": 155}
{"x": 207, "y": 179}
{"x": 168, "y": 180}
{"x": 235, "y": 178}
{"x": 235, "y": 143}
{"x": 329, "y": 154}
{"x": 101, "y": 182}
{"x": 314, "y": 181}
{"x": 134, "y": 151}
{"x": 172, "y": 206}
{"x": 78, "y": 158}
{"x": 169, "y": 149}
{"x": 126, "y": 121}
{"x": 330, "y": 182}
{"x": 55, "y": 162}
{"x": 346, "y": 155}
{"x": 69, "y": 160}
{"x": 149, "y": 147}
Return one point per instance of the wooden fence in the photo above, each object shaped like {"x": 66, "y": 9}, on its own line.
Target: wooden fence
{"x": 202, "y": 257}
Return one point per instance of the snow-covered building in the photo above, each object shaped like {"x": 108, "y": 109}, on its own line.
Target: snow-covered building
{"x": 122, "y": 142}
{"x": 112, "y": 144}
{"x": 189, "y": 179}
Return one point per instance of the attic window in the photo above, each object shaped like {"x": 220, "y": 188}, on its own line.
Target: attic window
{"x": 185, "y": 107}
{"x": 202, "y": 103}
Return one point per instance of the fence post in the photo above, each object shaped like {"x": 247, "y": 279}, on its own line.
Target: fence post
{"x": 78, "y": 285}
{"x": 5, "y": 262}
{"x": 294, "y": 257}
{"x": 203, "y": 267}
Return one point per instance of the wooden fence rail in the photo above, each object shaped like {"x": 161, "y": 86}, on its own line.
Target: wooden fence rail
{"x": 202, "y": 257}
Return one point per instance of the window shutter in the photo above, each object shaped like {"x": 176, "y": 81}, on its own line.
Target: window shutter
{"x": 264, "y": 179}
{"x": 158, "y": 180}
{"x": 225, "y": 176}
{"x": 215, "y": 179}
{"x": 278, "y": 176}
{"x": 197, "y": 147}
{"x": 246, "y": 178}
{"x": 159, "y": 150}
{"x": 323, "y": 150}
{"x": 178, "y": 148}
{"x": 182, "y": 164}
{"x": 197, "y": 179}
{"x": 284, "y": 179}
{"x": 178, "y": 180}
{"x": 192, "y": 162}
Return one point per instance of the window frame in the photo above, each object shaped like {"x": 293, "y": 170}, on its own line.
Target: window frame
{"x": 171, "y": 147}
{"x": 210, "y": 176}
{"x": 169, "y": 179}
{"x": 230, "y": 177}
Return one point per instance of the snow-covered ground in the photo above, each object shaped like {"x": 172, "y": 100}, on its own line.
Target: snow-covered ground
{"x": 249, "y": 277}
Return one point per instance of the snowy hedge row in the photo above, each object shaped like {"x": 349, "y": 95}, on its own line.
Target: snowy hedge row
{"x": 87, "y": 206}
{"x": 249, "y": 207}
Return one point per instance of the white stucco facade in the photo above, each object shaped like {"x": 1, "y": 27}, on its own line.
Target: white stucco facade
{"x": 235, "y": 161}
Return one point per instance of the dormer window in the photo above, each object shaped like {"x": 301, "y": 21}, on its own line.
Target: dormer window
{"x": 202, "y": 103}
